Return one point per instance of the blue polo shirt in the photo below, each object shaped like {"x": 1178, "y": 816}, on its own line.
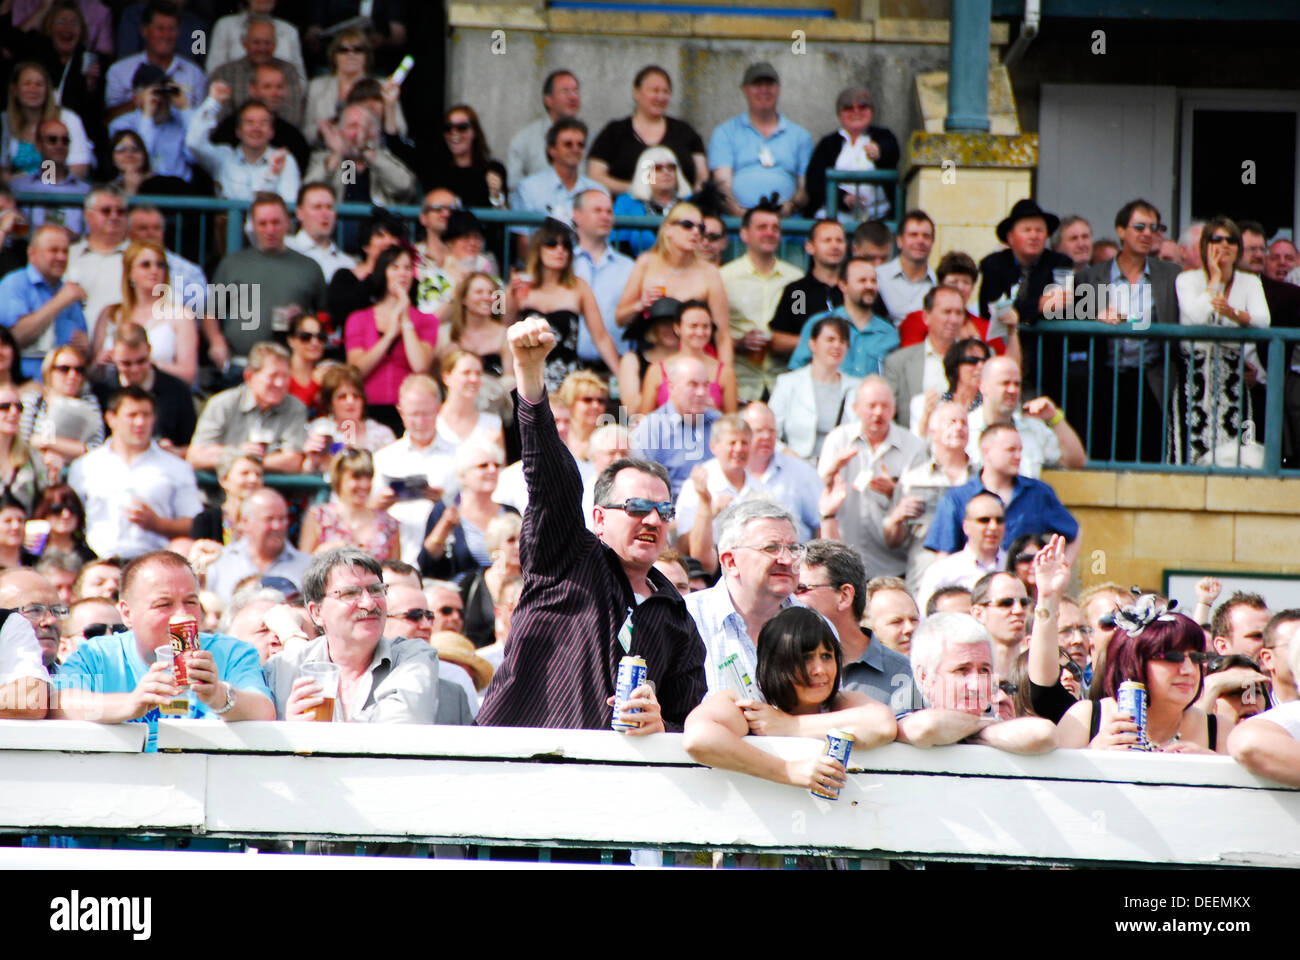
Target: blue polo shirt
{"x": 737, "y": 145}
{"x": 1034, "y": 508}
{"x": 867, "y": 348}
{"x": 26, "y": 291}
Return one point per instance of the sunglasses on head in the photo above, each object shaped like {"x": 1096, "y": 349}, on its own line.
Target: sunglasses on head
{"x": 639, "y": 507}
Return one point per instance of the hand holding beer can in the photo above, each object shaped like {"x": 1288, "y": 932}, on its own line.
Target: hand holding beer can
{"x": 839, "y": 744}
{"x": 326, "y": 676}
{"x": 1131, "y": 699}
{"x": 631, "y": 674}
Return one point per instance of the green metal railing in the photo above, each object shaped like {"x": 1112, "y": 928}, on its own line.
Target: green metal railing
{"x": 880, "y": 178}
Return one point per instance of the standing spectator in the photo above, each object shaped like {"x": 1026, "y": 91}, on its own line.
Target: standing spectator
{"x": 618, "y": 149}
{"x": 137, "y": 496}
{"x": 317, "y": 217}
{"x": 816, "y": 292}
{"x": 349, "y": 290}
{"x": 55, "y": 179}
{"x": 754, "y": 283}
{"x": 360, "y": 169}
{"x": 918, "y": 370}
{"x": 871, "y": 337}
{"x": 1074, "y": 239}
{"x": 31, "y": 103}
{"x": 693, "y": 329}
{"x": 131, "y": 365}
{"x": 959, "y": 271}
{"x": 392, "y": 339}
{"x": 905, "y": 280}
{"x": 554, "y": 190}
{"x": 1047, "y": 438}
{"x": 267, "y": 83}
{"x": 785, "y": 478}
{"x": 348, "y": 519}
{"x": 263, "y": 547}
{"x": 307, "y": 340}
{"x": 159, "y": 29}
{"x": 159, "y": 121}
{"x": 528, "y": 152}
{"x": 603, "y": 268}
{"x": 42, "y": 311}
{"x": 229, "y": 32}
{"x": 760, "y": 153}
{"x": 243, "y": 171}
{"x": 239, "y": 475}
{"x": 22, "y": 473}
{"x": 812, "y": 401}
{"x": 460, "y": 421}
{"x": 284, "y": 279}
{"x": 463, "y": 164}
{"x": 258, "y": 416}
{"x": 350, "y": 60}
{"x": 856, "y": 145}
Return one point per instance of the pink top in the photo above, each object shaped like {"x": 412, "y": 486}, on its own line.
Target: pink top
{"x": 715, "y": 388}
{"x": 360, "y": 333}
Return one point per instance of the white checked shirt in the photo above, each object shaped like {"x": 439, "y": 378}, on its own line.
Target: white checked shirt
{"x": 723, "y": 631}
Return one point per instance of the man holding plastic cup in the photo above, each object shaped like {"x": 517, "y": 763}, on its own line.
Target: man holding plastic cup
{"x": 371, "y": 678}
{"x": 116, "y": 678}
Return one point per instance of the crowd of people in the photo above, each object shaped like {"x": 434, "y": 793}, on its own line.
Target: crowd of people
{"x": 830, "y": 476}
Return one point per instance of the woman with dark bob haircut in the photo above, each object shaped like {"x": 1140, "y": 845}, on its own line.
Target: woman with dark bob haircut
{"x": 798, "y": 672}
{"x": 1166, "y": 652}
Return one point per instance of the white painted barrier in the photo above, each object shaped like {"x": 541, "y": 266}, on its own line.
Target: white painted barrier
{"x": 592, "y": 788}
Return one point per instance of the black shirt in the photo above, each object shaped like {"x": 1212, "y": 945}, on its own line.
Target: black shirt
{"x": 173, "y": 404}
{"x": 620, "y": 148}
{"x": 802, "y": 300}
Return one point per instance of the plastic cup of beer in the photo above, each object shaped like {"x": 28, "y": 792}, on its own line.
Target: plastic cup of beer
{"x": 179, "y": 705}
{"x": 526, "y": 282}
{"x": 35, "y": 533}
{"x": 325, "y": 676}
{"x": 1065, "y": 280}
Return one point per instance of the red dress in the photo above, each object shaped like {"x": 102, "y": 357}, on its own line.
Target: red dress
{"x": 912, "y": 331}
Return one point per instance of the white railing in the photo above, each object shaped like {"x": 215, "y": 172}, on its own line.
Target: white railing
{"x": 466, "y": 785}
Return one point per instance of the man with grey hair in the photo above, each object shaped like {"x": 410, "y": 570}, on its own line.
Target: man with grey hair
{"x": 1189, "y": 242}
{"x": 374, "y": 172}
{"x": 258, "y": 416}
{"x": 833, "y": 582}
{"x": 259, "y": 42}
{"x": 95, "y": 261}
{"x": 759, "y": 552}
{"x": 952, "y": 662}
{"x": 252, "y": 617}
{"x": 28, "y": 593}
{"x": 381, "y": 680}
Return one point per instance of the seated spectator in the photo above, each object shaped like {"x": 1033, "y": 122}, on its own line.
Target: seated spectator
{"x": 446, "y": 604}
{"x": 24, "y": 679}
{"x": 1164, "y": 651}
{"x": 349, "y": 290}
{"x": 160, "y": 122}
{"x": 116, "y": 679}
{"x": 284, "y": 279}
{"x": 375, "y": 175}
{"x": 1074, "y": 239}
{"x": 249, "y": 618}
{"x": 99, "y": 579}
{"x": 144, "y": 222}
{"x": 461, "y": 160}
{"x": 435, "y": 212}
{"x": 874, "y": 242}
{"x": 307, "y": 339}
{"x": 258, "y": 40}
{"x": 1266, "y": 744}
{"x": 50, "y": 587}
{"x": 380, "y": 680}
{"x": 263, "y": 547}
{"x": 550, "y": 191}
{"x": 130, "y": 365}
{"x": 137, "y": 496}
{"x": 463, "y": 237}
{"x": 13, "y": 515}
{"x": 392, "y": 339}
{"x": 891, "y": 615}
{"x": 817, "y": 291}
{"x": 420, "y": 453}
{"x": 481, "y": 593}
{"x": 1047, "y": 437}
{"x": 460, "y": 667}
{"x": 11, "y": 363}
{"x": 917, "y": 370}
{"x": 963, "y": 365}
{"x": 761, "y": 152}
{"x": 350, "y": 59}
{"x": 455, "y": 537}
{"x": 317, "y": 218}
{"x": 713, "y": 241}
{"x": 618, "y": 153}
{"x": 871, "y": 337}
{"x": 563, "y": 299}
{"x": 240, "y": 474}
{"x": 714, "y": 485}
{"x": 170, "y": 327}
{"x": 672, "y": 566}
{"x": 130, "y": 159}
{"x": 527, "y": 153}
{"x": 62, "y": 418}
{"x": 75, "y": 43}
{"x": 258, "y": 416}
{"x": 957, "y": 270}
{"x": 657, "y": 183}
{"x": 815, "y": 399}
{"x": 269, "y": 84}
{"x": 159, "y": 29}
{"x": 13, "y": 233}
{"x": 952, "y": 661}
{"x": 31, "y": 103}
{"x": 87, "y": 619}
{"x": 348, "y": 518}
{"x": 677, "y": 433}
{"x": 345, "y": 422}
{"x": 95, "y": 261}
{"x": 984, "y": 522}
{"x": 693, "y": 328}
{"x": 785, "y": 478}
{"x": 856, "y": 145}
{"x": 400, "y": 572}
{"x": 242, "y": 172}
{"x": 799, "y": 676}
{"x": 22, "y": 472}
{"x": 460, "y": 420}
{"x": 653, "y": 335}
{"x": 55, "y": 179}
{"x": 231, "y": 37}
{"x": 62, "y": 509}
{"x": 906, "y": 279}
{"x": 457, "y": 702}
{"x": 1235, "y": 689}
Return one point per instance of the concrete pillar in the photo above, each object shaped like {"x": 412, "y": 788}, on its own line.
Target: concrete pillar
{"x": 968, "y": 85}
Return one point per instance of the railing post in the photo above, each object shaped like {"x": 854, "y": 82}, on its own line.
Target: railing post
{"x": 1273, "y": 405}
{"x": 234, "y": 230}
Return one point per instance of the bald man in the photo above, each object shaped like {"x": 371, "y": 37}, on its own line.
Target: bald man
{"x": 1049, "y": 440}
{"x": 263, "y": 548}
{"x": 677, "y": 434}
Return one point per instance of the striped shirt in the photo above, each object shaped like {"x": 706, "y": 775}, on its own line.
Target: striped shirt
{"x": 561, "y": 659}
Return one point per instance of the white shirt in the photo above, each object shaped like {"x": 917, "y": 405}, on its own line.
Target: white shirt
{"x": 962, "y": 568}
{"x": 237, "y": 178}
{"x": 107, "y": 485}
{"x": 1039, "y": 446}
{"x": 723, "y": 631}
{"x": 99, "y": 274}
{"x": 900, "y": 295}
{"x": 512, "y": 488}
{"x": 436, "y": 462}
{"x": 20, "y": 652}
{"x": 688, "y": 500}
{"x": 331, "y": 258}
{"x": 1285, "y": 715}
{"x": 934, "y": 377}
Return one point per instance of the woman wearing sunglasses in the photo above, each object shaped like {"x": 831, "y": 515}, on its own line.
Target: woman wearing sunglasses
{"x": 482, "y": 592}
{"x": 60, "y": 506}
{"x": 856, "y": 145}
{"x": 307, "y": 340}
{"x": 351, "y": 57}
{"x": 1165, "y": 651}
{"x": 1214, "y": 402}
{"x": 464, "y": 166}
{"x": 79, "y": 424}
{"x": 21, "y": 471}
{"x": 657, "y": 184}
{"x": 673, "y": 268}
{"x": 563, "y": 299}
{"x": 799, "y": 695}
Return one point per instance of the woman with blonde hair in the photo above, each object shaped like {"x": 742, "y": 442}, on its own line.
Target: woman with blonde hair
{"x": 348, "y": 519}
{"x": 460, "y": 420}
{"x": 584, "y": 393}
{"x": 657, "y": 184}
{"x": 63, "y": 383}
{"x": 21, "y": 472}
{"x": 147, "y": 299}
{"x": 671, "y": 268}
{"x": 31, "y": 102}
{"x": 475, "y": 325}
{"x": 455, "y": 536}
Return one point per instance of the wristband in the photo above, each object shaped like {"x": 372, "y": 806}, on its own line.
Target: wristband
{"x": 1056, "y": 418}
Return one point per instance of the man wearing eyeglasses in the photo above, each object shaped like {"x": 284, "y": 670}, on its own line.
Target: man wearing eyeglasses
{"x": 381, "y": 680}
{"x": 1001, "y": 603}
{"x": 447, "y": 607}
{"x": 95, "y": 261}
{"x": 411, "y": 616}
{"x": 36, "y": 599}
{"x": 54, "y": 177}
{"x": 26, "y": 662}
{"x": 589, "y": 599}
{"x": 983, "y": 523}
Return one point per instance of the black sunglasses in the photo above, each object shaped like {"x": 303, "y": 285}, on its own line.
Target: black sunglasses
{"x": 461, "y": 126}
{"x": 715, "y": 237}
{"x": 689, "y": 224}
{"x": 306, "y": 336}
{"x": 972, "y": 361}
{"x": 416, "y": 615}
{"x": 1007, "y": 687}
{"x": 639, "y": 507}
{"x": 564, "y": 242}
{"x": 69, "y": 368}
{"x": 447, "y": 611}
{"x": 8, "y": 405}
{"x": 101, "y": 629}
{"x": 1224, "y": 238}
{"x": 1178, "y": 656}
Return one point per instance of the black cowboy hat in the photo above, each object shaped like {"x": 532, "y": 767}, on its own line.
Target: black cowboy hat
{"x": 1024, "y": 210}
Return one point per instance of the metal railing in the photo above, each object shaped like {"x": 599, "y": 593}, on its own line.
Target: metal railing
{"x": 880, "y": 178}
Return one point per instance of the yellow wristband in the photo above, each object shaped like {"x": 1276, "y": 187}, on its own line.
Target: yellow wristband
{"x": 1056, "y": 418}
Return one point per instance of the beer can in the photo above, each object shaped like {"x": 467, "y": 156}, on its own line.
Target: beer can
{"x": 735, "y": 677}
{"x": 184, "y": 630}
{"x": 839, "y": 744}
{"x": 1132, "y": 700}
{"x": 631, "y": 674}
